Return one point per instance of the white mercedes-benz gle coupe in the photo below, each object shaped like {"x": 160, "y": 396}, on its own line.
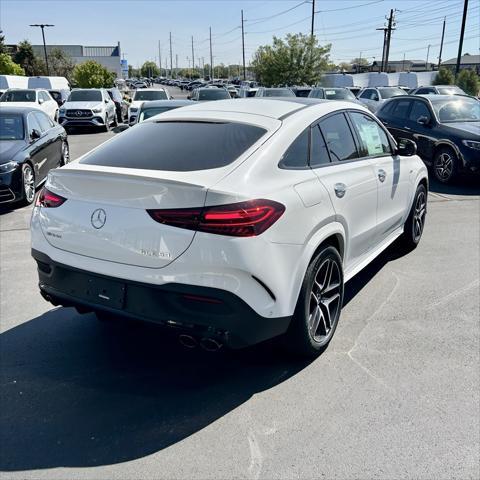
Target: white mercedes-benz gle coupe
{"x": 235, "y": 221}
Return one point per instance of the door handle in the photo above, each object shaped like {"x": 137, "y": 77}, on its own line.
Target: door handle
{"x": 382, "y": 175}
{"x": 406, "y": 128}
{"x": 340, "y": 190}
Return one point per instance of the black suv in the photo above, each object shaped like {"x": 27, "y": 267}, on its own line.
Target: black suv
{"x": 446, "y": 129}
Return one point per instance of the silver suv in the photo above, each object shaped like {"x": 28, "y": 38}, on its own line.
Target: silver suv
{"x": 88, "y": 107}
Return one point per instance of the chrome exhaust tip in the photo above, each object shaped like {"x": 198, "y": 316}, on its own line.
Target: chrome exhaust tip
{"x": 187, "y": 341}
{"x": 210, "y": 344}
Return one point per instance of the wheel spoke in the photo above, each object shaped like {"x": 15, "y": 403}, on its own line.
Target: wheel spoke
{"x": 314, "y": 320}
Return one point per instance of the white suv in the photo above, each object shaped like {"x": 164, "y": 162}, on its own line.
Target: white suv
{"x": 145, "y": 95}
{"x": 88, "y": 107}
{"x": 30, "y": 97}
{"x": 234, "y": 221}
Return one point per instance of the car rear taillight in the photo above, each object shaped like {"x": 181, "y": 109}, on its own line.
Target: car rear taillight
{"x": 245, "y": 219}
{"x": 48, "y": 199}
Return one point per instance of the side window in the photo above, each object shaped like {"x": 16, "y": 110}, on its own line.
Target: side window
{"x": 296, "y": 156}
{"x": 386, "y": 108}
{"x": 318, "y": 150}
{"x": 400, "y": 109}
{"x": 339, "y": 138}
{"x": 419, "y": 109}
{"x": 366, "y": 93}
{"x": 374, "y": 95}
{"x": 317, "y": 93}
{"x": 33, "y": 124}
{"x": 373, "y": 139}
{"x": 43, "y": 121}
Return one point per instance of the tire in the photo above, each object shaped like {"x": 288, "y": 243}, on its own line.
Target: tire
{"x": 106, "y": 127}
{"x": 445, "y": 165}
{"x": 28, "y": 184}
{"x": 310, "y": 331}
{"x": 65, "y": 154}
{"x": 415, "y": 223}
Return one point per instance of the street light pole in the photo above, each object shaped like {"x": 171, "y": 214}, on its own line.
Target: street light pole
{"x": 42, "y": 26}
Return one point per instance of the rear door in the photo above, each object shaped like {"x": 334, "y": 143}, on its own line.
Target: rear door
{"x": 53, "y": 141}
{"x": 38, "y": 148}
{"x": 350, "y": 182}
{"x": 392, "y": 176}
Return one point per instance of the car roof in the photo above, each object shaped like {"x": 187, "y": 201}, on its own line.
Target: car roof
{"x": 166, "y": 103}
{"x": 22, "y": 110}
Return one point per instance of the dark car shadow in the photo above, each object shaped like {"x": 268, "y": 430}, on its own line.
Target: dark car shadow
{"x": 79, "y": 393}
{"x": 463, "y": 186}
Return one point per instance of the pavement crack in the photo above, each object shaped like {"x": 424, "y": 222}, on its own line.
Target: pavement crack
{"x": 460, "y": 291}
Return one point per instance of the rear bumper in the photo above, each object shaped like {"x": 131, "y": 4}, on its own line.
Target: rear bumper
{"x": 202, "y": 311}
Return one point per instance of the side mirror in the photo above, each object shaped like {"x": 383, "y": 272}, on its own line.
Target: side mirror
{"x": 40, "y": 101}
{"x": 423, "y": 120}
{"x": 406, "y": 147}
{"x": 106, "y": 100}
{"x": 35, "y": 135}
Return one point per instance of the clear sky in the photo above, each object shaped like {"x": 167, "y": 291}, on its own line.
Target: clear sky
{"x": 349, "y": 25}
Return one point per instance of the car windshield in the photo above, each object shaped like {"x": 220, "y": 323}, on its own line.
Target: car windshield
{"x": 11, "y": 126}
{"x": 390, "y": 92}
{"x": 150, "y": 95}
{"x": 162, "y": 146}
{"x": 278, "y": 92}
{"x": 151, "y": 112}
{"x": 453, "y": 90}
{"x": 457, "y": 109}
{"x": 213, "y": 94}
{"x": 18, "y": 96}
{"x": 339, "y": 94}
{"x": 85, "y": 96}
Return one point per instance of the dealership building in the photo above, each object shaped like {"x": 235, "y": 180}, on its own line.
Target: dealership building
{"x": 108, "y": 56}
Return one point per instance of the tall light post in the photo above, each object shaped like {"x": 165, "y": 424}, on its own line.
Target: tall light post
{"x": 42, "y": 26}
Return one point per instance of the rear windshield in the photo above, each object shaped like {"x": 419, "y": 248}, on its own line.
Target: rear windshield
{"x": 150, "y": 95}
{"x": 176, "y": 146}
{"x": 339, "y": 94}
{"x": 452, "y": 90}
{"x": 18, "y": 96}
{"x": 390, "y": 92}
{"x": 213, "y": 94}
{"x": 11, "y": 126}
{"x": 151, "y": 112}
{"x": 85, "y": 96}
{"x": 278, "y": 92}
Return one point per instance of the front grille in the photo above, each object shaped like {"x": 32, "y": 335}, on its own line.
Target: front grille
{"x": 79, "y": 113}
{"x": 6, "y": 195}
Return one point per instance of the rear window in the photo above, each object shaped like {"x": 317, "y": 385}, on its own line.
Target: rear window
{"x": 213, "y": 94}
{"x": 176, "y": 146}
{"x": 150, "y": 95}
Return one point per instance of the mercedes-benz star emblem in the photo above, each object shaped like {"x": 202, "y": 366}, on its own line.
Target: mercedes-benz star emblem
{"x": 78, "y": 113}
{"x": 98, "y": 218}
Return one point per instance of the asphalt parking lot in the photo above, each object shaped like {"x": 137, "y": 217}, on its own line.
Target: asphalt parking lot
{"x": 396, "y": 395}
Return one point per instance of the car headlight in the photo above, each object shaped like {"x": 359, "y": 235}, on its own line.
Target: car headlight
{"x": 472, "y": 144}
{"x": 8, "y": 167}
{"x": 96, "y": 110}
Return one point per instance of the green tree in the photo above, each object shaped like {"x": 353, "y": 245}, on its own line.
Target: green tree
{"x": 149, "y": 69}
{"x": 3, "y": 49}
{"x": 25, "y": 57}
{"x": 468, "y": 81}
{"x": 61, "y": 64}
{"x": 362, "y": 62}
{"x": 91, "y": 74}
{"x": 8, "y": 66}
{"x": 444, "y": 77}
{"x": 296, "y": 60}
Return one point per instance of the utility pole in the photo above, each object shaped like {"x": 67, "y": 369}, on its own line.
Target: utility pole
{"x": 176, "y": 65}
{"x": 193, "y": 57}
{"x": 403, "y": 63}
{"x": 42, "y": 26}
{"x": 359, "y": 62}
{"x": 243, "y": 51}
{"x": 160, "y": 56}
{"x": 428, "y": 53}
{"x": 313, "y": 18}
{"x": 389, "y": 36}
{"x": 211, "y": 57}
{"x": 462, "y": 33}
{"x": 171, "y": 65}
{"x": 384, "y": 43}
{"x": 441, "y": 44}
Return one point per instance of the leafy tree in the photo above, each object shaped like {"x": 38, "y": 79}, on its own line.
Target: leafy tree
{"x": 91, "y": 74}
{"x": 60, "y": 63}
{"x": 296, "y": 60}
{"x": 8, "y": 66}
{"x": 3, "y": 49}
{"x": 25, "y": 57}
{"x": 468, "y": 81}
{"x": 344, "y": 66}
{"x": 149, "y": 69}
{"x": 362, "y": 62}
{"x": 444, "y": 77}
